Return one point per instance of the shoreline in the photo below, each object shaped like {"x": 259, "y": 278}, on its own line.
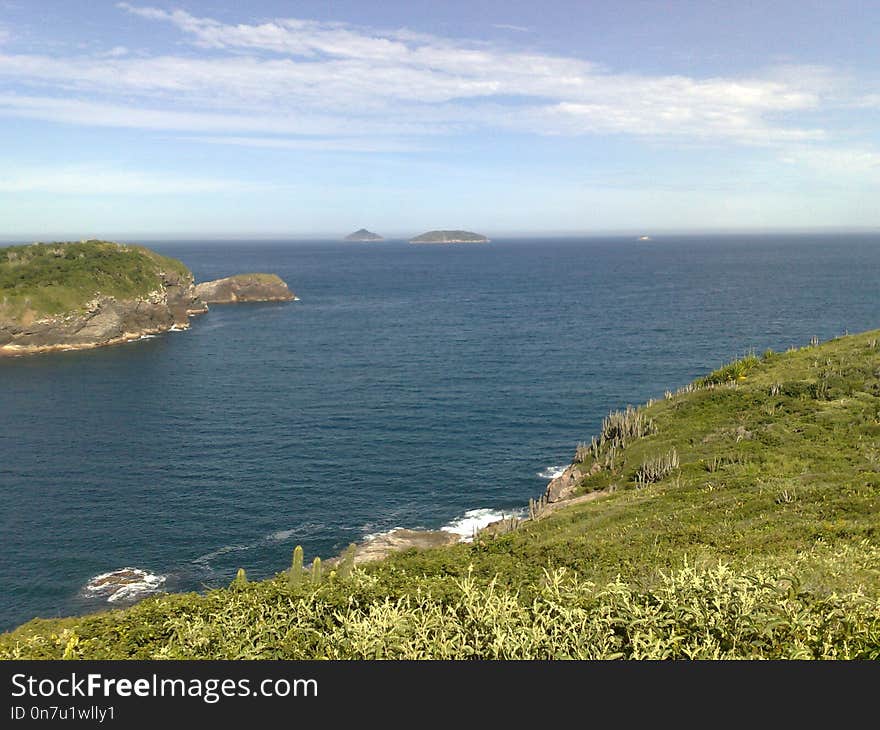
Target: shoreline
{"x": 25, "y": 350}
{"x": 381, "y": 545}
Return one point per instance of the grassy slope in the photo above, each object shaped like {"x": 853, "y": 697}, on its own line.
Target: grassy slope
{"x": 762, "y": 543}
{"x": 52, "y": 278}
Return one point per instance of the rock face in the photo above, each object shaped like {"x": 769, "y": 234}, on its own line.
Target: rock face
{"x": 106, "y": 320}
{"x": 245, "y": 288}
{"x": 563, "y": 486}
{"x": 449, "y": 237}
{"x": 363, "y": 235}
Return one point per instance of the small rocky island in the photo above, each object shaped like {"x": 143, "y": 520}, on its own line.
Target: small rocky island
{"x": 245, "y": 288}
{"x": 76, "y": 296}
{"x": 449, "y": 237}
{"x": 363, "y": 235}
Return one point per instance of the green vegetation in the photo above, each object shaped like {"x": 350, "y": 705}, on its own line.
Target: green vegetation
{"x": 755, "y": 536}
{"x": 53, "y": 278}
{"x": 257, "y": 278}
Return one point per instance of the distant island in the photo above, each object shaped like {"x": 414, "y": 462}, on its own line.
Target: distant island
{"x": 75, "y": 296}
{"x": 449, "y": 237}
{"x": 364, "y": 235}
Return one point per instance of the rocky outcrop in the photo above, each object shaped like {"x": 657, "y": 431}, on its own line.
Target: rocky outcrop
{"x": 379, "y": 546}
{"x": 245, "y": 288}
{"x": 106, "y": 320}
{"x": 564, "y": 486}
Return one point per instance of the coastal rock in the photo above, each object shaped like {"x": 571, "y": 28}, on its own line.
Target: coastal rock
{"x": 245, "y": 288}
{"x": 106, "y": 320}
{"x": 564, "y": 486}
{"x": 378, "y": 546}
{"x": 125, "y": 585}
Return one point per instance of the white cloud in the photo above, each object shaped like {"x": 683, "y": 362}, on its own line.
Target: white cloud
{"x": 94, "y": 180}
{"x": 514, "y": 28}
{"x": 295, "y": 77}
{"x": 837, "y": 161}
{"x": 117, "y": 115}
{"x": 332, "y": 144}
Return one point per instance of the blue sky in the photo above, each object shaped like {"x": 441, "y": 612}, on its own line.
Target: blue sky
{"x": 299, "y": 118}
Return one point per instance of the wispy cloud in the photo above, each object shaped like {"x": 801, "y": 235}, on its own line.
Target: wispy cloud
{"x": 96, "y": 180}
{"x": 319, "y": 144}
{"x": 849, "y": 161}
{"x": 100, "y": 114}
{"x": 514, "y": 28}
{"x": 302, "y": 77}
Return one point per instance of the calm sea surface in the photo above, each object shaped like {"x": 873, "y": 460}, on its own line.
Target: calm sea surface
{"x": 411, "y": 386}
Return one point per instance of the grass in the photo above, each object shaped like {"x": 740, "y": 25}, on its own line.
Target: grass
{"x": 759, "y": 539}
{"x": 47, "y": 279}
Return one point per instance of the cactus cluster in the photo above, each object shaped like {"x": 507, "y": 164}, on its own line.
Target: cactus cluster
{"x": 537, "y": 507}
{"x": 508, "y": 524}
{"x": 298, "y": 575}
{"x": 582, "y": 453}
{"x": 657, "y": 468}
{"x": 346, "y": 564}
{"x": 621, "y": 427}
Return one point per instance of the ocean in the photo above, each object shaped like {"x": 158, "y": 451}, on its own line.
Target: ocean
{"x": 412, "y": 386}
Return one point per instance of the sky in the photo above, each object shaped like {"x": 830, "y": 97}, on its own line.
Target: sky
{"x": 292, "y": 119}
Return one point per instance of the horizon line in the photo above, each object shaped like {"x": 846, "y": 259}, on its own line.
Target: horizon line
{"x": 400, "y": 236}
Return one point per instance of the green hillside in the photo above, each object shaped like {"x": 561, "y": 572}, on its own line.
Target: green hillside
{"x": 51, "y": 278}
{"x": 737, "y": 517}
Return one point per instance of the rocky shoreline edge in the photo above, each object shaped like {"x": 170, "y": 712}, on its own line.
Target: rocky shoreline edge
{"x": 107, "y": 321}
{"x": 558, "y": 493}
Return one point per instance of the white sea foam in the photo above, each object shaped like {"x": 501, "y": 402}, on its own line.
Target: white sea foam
{"x": 551, "y": 472}
{"x": 124, "y": 584}
{"x": 309, "y": 528}
{"x": 474, "y": 520}
{"x": 208, "y": 557}
{"x": 373, "y": 535}
{"x": 281, "y": 535}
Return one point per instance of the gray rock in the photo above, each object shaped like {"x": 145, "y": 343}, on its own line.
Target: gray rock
{"x": 245, "y": 288}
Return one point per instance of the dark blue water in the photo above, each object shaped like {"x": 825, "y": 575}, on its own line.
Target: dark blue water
{"x": 410, "y": 385}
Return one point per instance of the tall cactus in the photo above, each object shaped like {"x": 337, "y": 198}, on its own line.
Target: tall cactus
{"x": 295, "y": 575}
{"x": 240, "y": 580}
{"x": 346, "y": 565}
{"x": 316, "y": 571}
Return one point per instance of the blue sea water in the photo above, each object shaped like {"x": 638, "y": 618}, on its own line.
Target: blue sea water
{"x": 409, "y": 386}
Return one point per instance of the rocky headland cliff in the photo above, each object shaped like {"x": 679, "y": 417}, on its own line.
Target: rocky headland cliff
{"x": 73, "y": 296}
{"x": 245, "y": 288}
{"x": 76, "y": 296}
